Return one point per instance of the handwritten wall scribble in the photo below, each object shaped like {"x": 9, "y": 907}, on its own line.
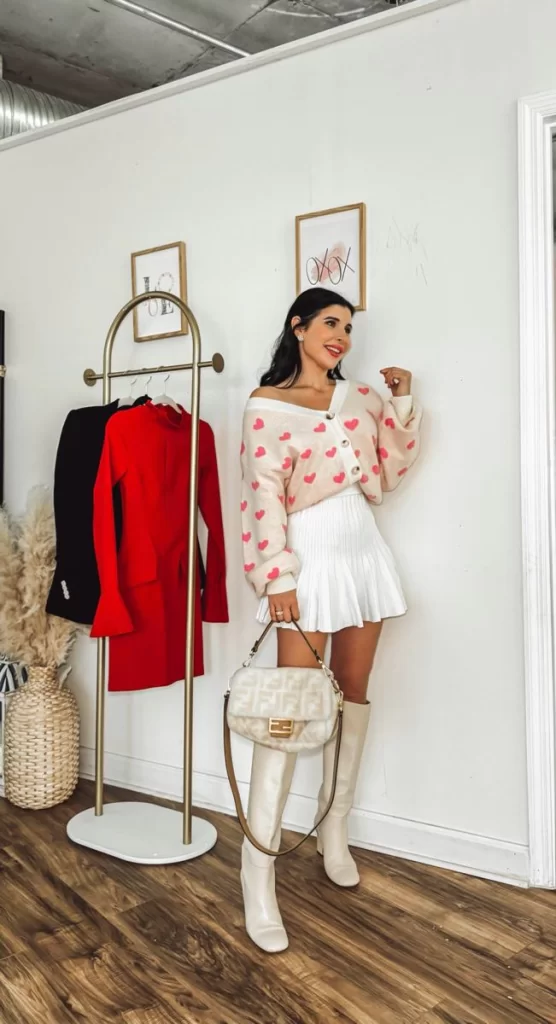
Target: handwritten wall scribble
{"x": 409, "y": 243}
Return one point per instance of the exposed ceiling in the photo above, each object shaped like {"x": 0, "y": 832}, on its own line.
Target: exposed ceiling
{"x": 91, "y": 51}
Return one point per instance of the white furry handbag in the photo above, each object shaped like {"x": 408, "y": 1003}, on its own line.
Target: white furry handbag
{"x": 289, "y": 709}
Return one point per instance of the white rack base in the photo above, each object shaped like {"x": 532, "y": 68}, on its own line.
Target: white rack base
{"x": 142, "y": 833}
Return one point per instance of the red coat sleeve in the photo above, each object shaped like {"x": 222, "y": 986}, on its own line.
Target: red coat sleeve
{"x": 112, "y": 617}
{"x": 214, "y": 602}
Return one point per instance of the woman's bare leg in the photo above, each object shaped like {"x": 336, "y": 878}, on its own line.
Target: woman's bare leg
{"x": 353, "y": 655}
{"x": 293, "y": 651}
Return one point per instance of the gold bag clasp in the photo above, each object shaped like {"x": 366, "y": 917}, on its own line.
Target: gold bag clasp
{"x": 280, "y": 728}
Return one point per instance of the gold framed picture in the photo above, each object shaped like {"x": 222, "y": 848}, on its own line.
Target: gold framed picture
{"x": 330, "y": 250}
{"x": 160, "y": 269}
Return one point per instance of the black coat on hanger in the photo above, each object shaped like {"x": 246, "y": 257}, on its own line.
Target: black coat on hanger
{"x": 75, "y": 589}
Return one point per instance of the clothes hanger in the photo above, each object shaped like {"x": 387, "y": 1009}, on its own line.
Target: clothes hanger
{"x": 165, "y": 399}
{"x": 128, "y": 399}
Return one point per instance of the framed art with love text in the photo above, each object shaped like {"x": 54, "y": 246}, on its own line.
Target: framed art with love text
{"x": 331, "y": 252}
{"x": 162, "y": 269}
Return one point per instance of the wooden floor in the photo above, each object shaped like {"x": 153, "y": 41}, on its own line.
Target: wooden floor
{"x": 89, "y": 939}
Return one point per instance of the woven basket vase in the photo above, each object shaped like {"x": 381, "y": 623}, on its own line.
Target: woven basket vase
{"x": 41, "y": 742}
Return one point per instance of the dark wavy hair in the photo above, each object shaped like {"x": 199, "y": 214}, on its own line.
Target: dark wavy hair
{"x": 285, "y": 367}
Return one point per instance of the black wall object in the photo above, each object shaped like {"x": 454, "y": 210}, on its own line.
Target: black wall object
{"x": 2, "y": 373}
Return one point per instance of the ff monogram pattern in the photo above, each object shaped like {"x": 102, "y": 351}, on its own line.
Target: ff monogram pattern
{"x": 303, "y": 695}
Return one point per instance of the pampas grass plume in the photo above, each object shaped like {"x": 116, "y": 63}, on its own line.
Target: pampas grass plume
{"x": 27, "y": 563}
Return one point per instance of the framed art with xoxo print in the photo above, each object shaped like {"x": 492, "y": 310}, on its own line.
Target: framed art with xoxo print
{"x": 161, "y": 269}
{"x": 331, "y": 252}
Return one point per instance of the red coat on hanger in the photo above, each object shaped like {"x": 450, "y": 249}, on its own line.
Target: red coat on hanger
{"x": 143, "y": 585}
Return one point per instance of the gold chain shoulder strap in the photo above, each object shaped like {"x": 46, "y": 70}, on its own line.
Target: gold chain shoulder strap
{"x": 230, "y": 764}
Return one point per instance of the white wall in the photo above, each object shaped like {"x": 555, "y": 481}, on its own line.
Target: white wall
{"x": 419, "y": 121}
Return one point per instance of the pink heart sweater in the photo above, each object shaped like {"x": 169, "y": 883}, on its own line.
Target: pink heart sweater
{"x": 293, "y": 457}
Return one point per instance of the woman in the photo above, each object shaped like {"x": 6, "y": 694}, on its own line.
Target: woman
{"x": 318, "y": 452}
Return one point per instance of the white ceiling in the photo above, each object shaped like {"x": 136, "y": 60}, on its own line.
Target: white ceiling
{"x": 91, "y": 52}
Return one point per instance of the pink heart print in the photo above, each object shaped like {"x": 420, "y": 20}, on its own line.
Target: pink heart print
{"x": 383, "y": 452}
{"x": 246, "y": 537}
{"x": 340, "y": 478}
{"x": 363, "y": 391}
{"x": 260, "y": 514}
{"x": 255, "y": 485}
{"x": 330, "y": 453}
{"x": 306, "y": 454}
{"x": 364, "y": 478}
{"x": 390, "y": 423}
{"x": 376, "y": 470}
{"x": 310, "y": 479}
{"x": 258, "y": 424}
{"x": 260, "y": 452}
{"x": 288, "y": 551}
{"x": 243, "y": 506}
{"x": 273, "y": 574}
{"x": 286, "y": 463}
{"x": 285, "y": 437}
{"x": 320, "y": 429}
{"x": 249, "y": 567}
{"x": 410, "y": 446}
{"x": 262, "y": 545}
{"x": 291, "y": 500}
{"x": 401, "y": 472}
{"x": 357, "y": 453}
{"x": 351, "y": 424}
{"x": 284, "y": 527}
{"x": 281, "y": 499}
{"x": 242, "y": 449}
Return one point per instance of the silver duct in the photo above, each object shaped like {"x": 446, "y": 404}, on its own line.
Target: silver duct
{"x": 23, "y": 109}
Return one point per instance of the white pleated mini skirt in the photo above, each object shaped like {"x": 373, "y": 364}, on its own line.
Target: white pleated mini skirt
{"x": 348, "y": 575}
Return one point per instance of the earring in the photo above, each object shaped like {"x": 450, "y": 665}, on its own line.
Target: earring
{"x": 300, "y": 337}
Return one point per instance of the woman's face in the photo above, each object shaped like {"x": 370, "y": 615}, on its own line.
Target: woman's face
{"x": 327, "y": 339}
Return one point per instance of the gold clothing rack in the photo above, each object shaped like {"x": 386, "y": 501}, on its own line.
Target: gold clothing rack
{"x": 141, "y": 832}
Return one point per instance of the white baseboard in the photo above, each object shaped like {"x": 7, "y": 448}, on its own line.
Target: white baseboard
{"x": 399, "y": 837}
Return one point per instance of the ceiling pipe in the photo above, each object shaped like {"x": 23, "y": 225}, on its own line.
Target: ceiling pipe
{"x": 176, "y": 26}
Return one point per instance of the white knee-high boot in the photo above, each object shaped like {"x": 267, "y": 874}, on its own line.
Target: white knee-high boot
{"x": 333, "y": 833}
{"x": 271, "y": 776}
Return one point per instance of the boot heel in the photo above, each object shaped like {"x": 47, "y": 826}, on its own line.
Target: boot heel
{"x": 320, "y": 849}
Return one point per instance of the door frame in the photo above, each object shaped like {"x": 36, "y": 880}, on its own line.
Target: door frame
{"x": 537, "y": 124}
